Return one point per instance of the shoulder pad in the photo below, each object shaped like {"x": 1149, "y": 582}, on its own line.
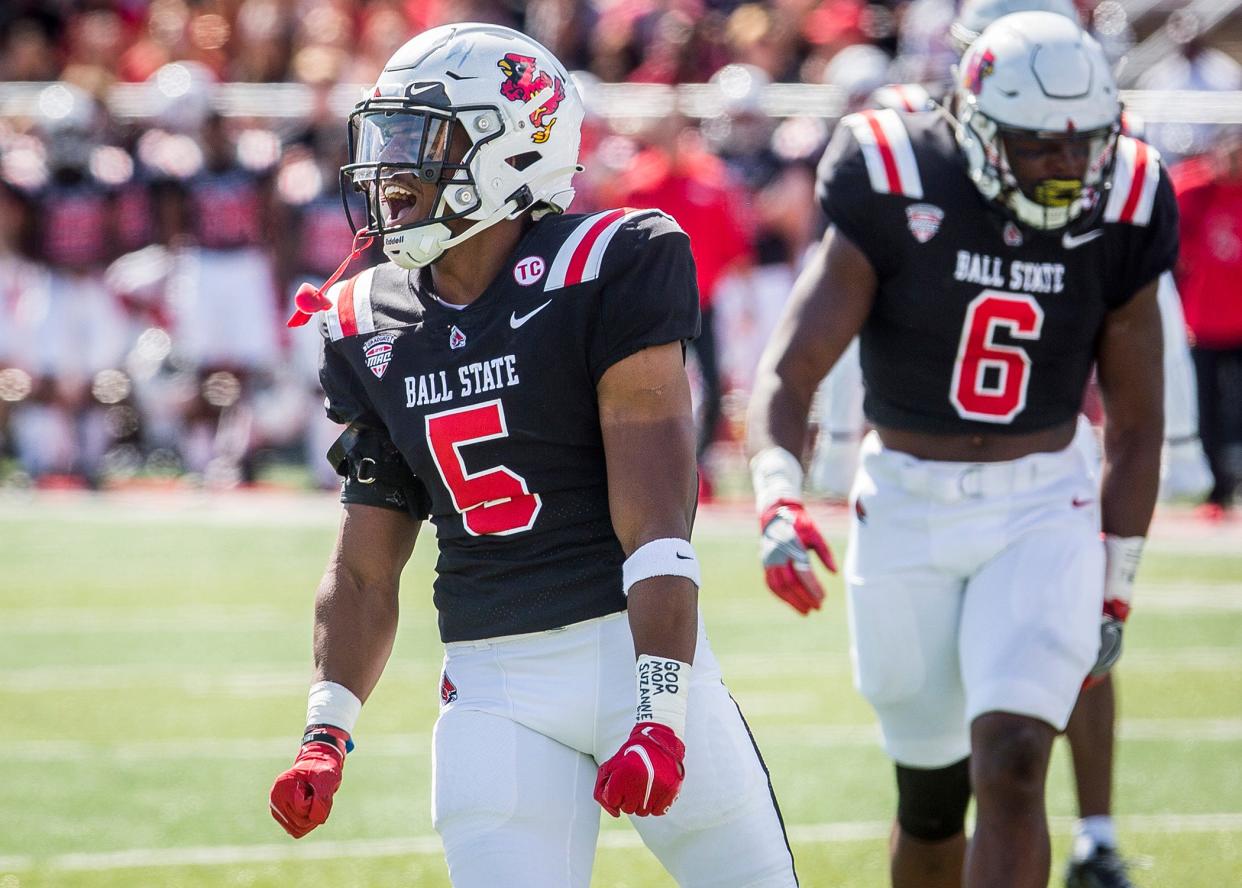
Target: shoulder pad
{"x": 887, "y": 151}
{"x": 908, "y": 97}
{"x": 350, "y": 313}
{"x": 1136, "y": 175}
{"x": 581, "y": 256}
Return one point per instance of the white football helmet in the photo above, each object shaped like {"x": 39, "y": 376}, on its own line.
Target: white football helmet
{"x": 1037, "y": 75}
{"x": 858, "y": 71}
{"x": 975, "y": 15}
{"x": 519, "y": 109}
{"x": 181, "y": 96}
{"x": 69, "y": 123}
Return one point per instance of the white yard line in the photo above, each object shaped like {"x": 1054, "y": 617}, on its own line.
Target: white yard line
{"x": 253, "y": 682}
{"x": 1174, "y": 529}
{"x": 1159, "y": 730}
{"x": 138, "y": 620}
{"x": 799, "y": 833}
{"x": 1176, "y": 598}
{"x": 275, "y": 681}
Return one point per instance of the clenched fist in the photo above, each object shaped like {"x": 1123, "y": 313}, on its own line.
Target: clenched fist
{"x": 645, "y": 774}
{"x": 301, "y": 797}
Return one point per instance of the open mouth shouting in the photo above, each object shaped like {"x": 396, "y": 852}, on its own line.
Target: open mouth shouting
{"x": 400, "y": 197}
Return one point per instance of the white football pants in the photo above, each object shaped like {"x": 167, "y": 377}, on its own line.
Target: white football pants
{"x": 973, "y": 588}
{"x": 224, "y": 308}
{"x": 517, "y": 747}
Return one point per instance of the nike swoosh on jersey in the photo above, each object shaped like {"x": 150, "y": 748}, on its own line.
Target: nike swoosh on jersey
{"x": 1070, "y": 241}
{"x": 515, "y": 321}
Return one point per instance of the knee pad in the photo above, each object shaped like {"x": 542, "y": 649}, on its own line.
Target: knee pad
{"x": 931, "y": 803}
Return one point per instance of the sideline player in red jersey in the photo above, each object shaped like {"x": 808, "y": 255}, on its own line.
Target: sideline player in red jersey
{"x": 988, "y": 259}
{"x": 517, "y": 375}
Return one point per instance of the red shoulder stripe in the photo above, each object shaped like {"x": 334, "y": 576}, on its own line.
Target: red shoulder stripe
{"x": 1136, "y": 184}
{"x": 577, "y": 262}
{"x": 345, "y": 309}
{"x": 886, "y": 153}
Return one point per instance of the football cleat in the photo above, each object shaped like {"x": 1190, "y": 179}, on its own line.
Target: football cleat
{"x": 1104, "y": 868}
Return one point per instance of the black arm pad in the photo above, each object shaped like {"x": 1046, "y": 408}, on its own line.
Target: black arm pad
{"x": 375, "y": 473}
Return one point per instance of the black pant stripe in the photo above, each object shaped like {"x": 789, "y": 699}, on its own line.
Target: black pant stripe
{"x": 771, "y": 792}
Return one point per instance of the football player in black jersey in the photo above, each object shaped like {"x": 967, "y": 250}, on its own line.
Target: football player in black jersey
{"x": 516, "y": 374}
{"x": 988, "y": 260}
{"x": 1094, "y": 860}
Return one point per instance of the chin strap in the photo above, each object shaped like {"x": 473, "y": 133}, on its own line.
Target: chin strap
{"x": 310, "y": 299}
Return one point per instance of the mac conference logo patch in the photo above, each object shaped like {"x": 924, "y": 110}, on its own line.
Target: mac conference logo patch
{"x": 378, "y": 353}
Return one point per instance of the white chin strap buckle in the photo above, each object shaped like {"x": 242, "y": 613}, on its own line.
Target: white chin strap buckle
{"x": 418, "y": 247}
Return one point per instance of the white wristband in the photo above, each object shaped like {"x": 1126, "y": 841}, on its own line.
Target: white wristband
{"x": 663, "y": 688}
{"x": 1121, "y": 561}
{"x": 332, "y": 704}
{"x": 775, "y": 474}
{"x": 669, "y": 557}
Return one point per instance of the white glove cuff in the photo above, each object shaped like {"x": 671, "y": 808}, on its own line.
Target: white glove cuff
{"x": 669, "y": 557}
{"x": 1121, "y": 561}
{"x": 332, "y": 704}
{"x": 663, "y": 689}
{"x": 775, "y": 474}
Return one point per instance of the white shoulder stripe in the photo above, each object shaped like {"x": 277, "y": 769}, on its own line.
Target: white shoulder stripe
{"x": 330, "y": 316}
{"x": 887, "y": 152}
{"x": 1135, "y": 180}
{"x": 581, "y": 257}
{"x": 556, "y": 274}
{"x": 363, "y": 313}
{"x": 595, "y": 260}
{"x": 351, "y": 312}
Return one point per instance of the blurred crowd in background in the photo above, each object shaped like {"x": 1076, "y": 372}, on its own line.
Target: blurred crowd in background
{"x": 150, "y": 246}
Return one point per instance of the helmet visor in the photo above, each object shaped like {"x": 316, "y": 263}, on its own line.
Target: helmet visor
{"x": 412, "y": 138}
{"x": 394, "y": 152}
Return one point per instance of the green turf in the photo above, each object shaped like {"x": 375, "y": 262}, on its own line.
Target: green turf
{"x": 153, "y": 674}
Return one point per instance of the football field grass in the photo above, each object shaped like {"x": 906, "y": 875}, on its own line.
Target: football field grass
{"x": 154, "y": 662}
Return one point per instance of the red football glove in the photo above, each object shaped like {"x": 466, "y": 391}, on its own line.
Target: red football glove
{"x": 1111, "y": 624}
{"x": 645, "y": 775}
{"x": 788, "y": 534}
{"x": 1121, "y": 561}
{"x": 301, "y": 797}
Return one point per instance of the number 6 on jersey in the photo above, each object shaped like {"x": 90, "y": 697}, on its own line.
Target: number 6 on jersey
{"x": 492, "y": 502}
{"x": 972, "y": 396}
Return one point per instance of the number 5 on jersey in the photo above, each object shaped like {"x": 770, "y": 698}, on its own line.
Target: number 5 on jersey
{"x": 1005, "y": 397}
{"x": 494, "y": 501}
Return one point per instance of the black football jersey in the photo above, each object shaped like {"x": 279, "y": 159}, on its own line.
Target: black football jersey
{"x": 494, "y": 409}
{"x": 226, "y": 208}
{"x": 74, "y": 225}
{"x": 980, "y": 324}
